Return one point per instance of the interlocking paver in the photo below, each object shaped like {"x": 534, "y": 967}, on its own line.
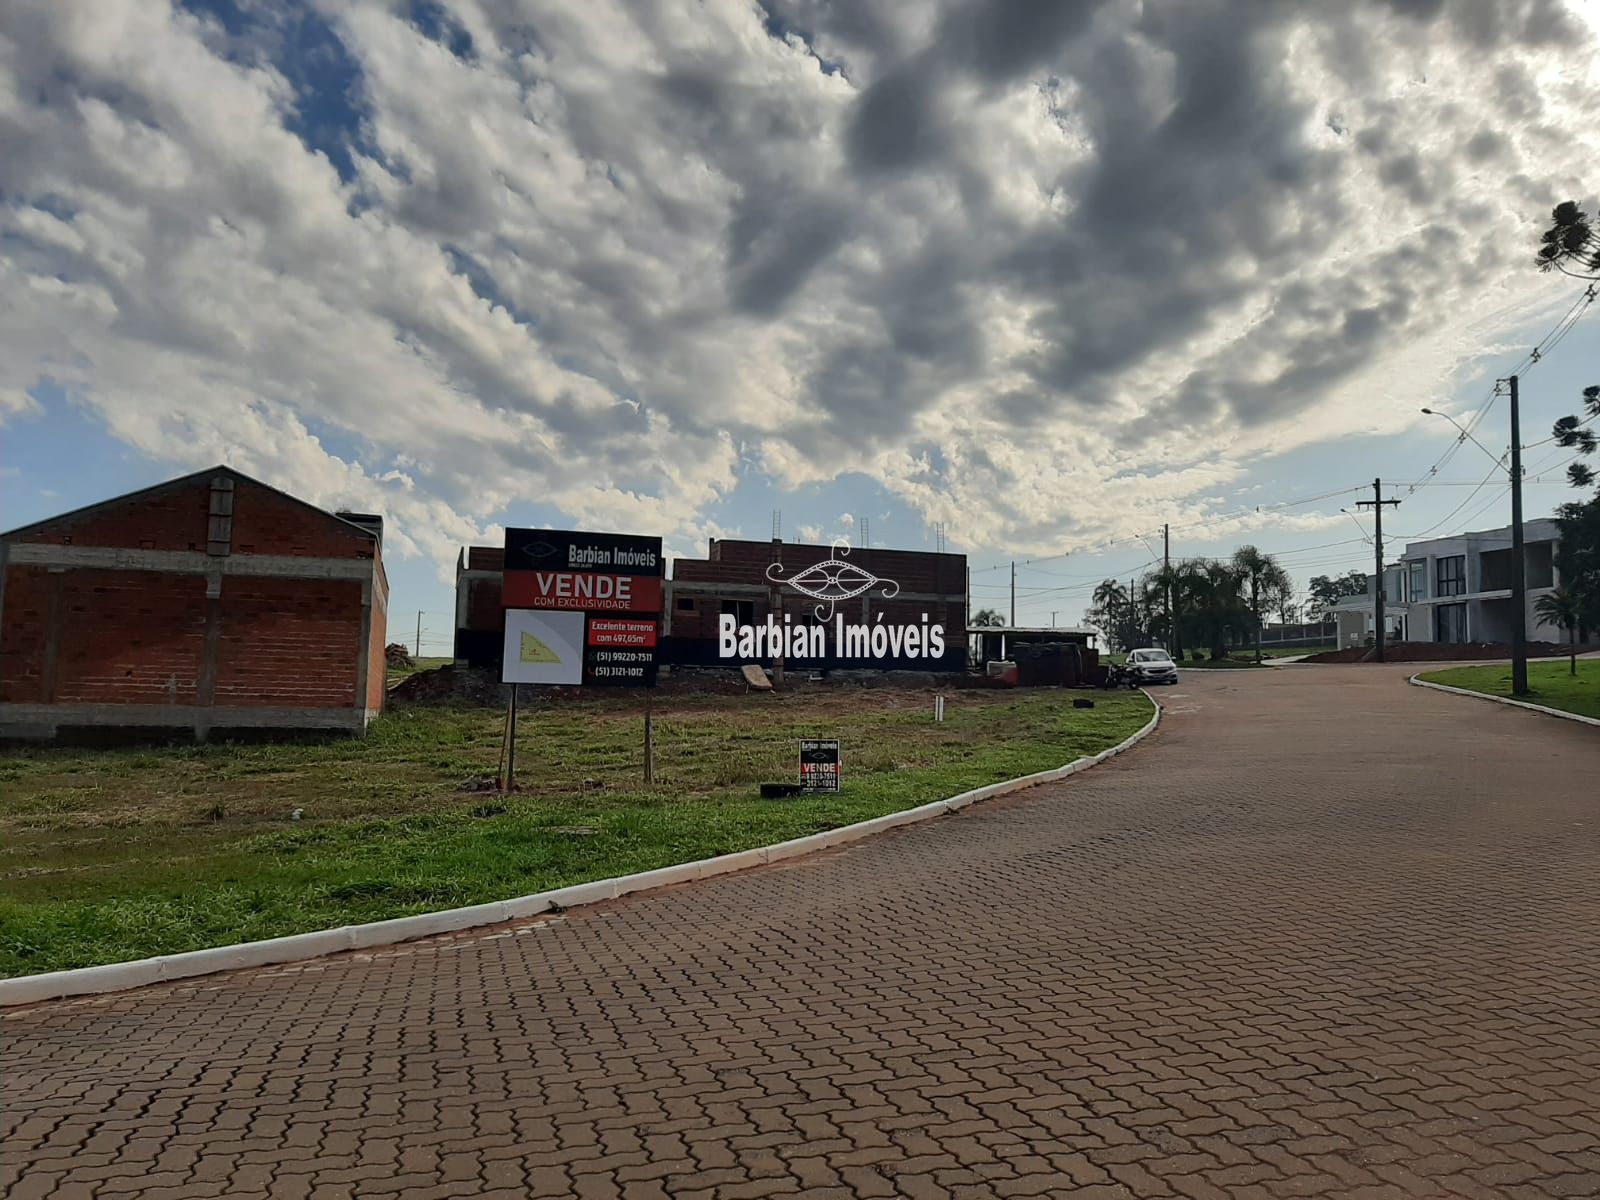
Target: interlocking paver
{"x": 1321, "y": 935}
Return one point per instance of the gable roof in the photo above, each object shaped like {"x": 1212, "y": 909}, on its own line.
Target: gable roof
{"x": 181, "y": 481}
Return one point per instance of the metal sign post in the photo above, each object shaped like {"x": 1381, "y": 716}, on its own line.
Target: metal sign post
{"x": 511, "y": 740}
{"x": 649, "y": 739}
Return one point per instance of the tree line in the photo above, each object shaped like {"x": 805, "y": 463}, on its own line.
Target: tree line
{"x": 1571, "y": 247}
{"x": 1205, "y": 603}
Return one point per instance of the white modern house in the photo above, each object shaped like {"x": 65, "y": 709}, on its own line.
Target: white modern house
{"x": 1458, "y": 589}
{"x": 1354, "y": 615}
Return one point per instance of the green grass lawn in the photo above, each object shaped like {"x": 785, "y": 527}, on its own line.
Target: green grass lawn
{"x": 111, "y": 855}
{"x": 1550, "y": 681}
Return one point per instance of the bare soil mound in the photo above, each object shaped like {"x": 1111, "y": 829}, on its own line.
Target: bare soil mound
{"x": 479, "y": 685}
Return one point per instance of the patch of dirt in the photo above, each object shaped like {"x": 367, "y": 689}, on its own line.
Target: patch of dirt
{"x": 478, "y": 685}
{"x": 450, "y": 685}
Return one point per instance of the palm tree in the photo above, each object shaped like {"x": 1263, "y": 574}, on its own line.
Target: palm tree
{"x": 1108, "y": 593}
{"x": 1269, "y": 584}
{"x": 1213, "y": 607}
{"x": 1562, "y": 608}
{"x": 1166, "y": 588}
{"x": 1111, "y": 611}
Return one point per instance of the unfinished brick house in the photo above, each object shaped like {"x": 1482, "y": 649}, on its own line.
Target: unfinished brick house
{"x": 207, "y": 605}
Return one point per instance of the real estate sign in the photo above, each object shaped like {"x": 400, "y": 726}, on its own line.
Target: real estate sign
{"x": 819, "y": 764}
{"x": 585, "y": 607}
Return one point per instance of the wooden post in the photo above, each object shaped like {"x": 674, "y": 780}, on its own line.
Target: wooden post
{"x": 649, "y": 738}
{"x": 511, "y": 740}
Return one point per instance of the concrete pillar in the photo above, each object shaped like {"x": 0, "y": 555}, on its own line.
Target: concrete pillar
{"x": 205, "y": 689}
{"x": 55, "y": 616}
{"x": 364, "y": 655}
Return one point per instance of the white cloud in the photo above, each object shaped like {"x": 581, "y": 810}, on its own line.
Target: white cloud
{"x": 1047, "y": 281}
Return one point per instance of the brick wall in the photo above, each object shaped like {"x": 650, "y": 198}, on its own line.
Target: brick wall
{"x": 289, "y": 642}
{"x": 125, "y": 637}
{"x": 175, "y": 516}
{"x": 139, "y": 636}
{"x": 483, "y": 603}
{"x": 377, "y": 639}
{"x": 27, "y": 604}
{"x": 129, "y": 637}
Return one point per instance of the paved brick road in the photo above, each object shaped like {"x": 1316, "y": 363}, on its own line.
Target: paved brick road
{"x": 1323, "y": 935}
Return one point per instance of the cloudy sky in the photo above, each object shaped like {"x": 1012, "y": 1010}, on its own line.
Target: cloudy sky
{"x": 1051, "y": 274}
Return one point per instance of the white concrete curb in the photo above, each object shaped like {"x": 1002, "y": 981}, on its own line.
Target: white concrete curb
{"x": 1445, "y": 687}
{"x": 116, "y": 977}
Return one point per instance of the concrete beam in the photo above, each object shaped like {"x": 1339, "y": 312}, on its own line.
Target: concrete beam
{"x": 189, "y": 562}
{"x": 42, "y": 720}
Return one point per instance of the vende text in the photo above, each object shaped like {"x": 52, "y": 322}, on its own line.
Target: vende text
{"x": 585, "y": 590}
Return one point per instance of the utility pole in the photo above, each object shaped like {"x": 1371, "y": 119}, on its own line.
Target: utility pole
{"x": 419, "y": 635}
{"x": 1013, "y": 594}
{"x": 1053, "y": 617}
{"x": 1376, "y": 504}
{"x": 1166, "y": 582}
{"x": 1519, "y": 567}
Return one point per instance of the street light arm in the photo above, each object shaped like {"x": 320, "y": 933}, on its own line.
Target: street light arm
{"x": 1465, "y": 436}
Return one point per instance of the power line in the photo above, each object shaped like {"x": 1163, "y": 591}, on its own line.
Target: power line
{"x": 1546, "y": 344}
{"x": 1540, "y": 351}
{"x": 1543, "y": 441}
{"x": 1322, "y": 546}
{"x": 1493, "y": 471}
{"x": 1206, "y": 521}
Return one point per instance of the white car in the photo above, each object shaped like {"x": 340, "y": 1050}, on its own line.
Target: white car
{"x": 1153, "y": 665}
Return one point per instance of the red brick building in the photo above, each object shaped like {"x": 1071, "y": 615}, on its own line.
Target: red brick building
{"x": 480, "y": 619}
{"x": 206, "y": 604}
{"x": 732, "y": 578}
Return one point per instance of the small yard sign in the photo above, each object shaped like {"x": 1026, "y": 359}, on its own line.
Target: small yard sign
{"x": 819, "y": 764}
